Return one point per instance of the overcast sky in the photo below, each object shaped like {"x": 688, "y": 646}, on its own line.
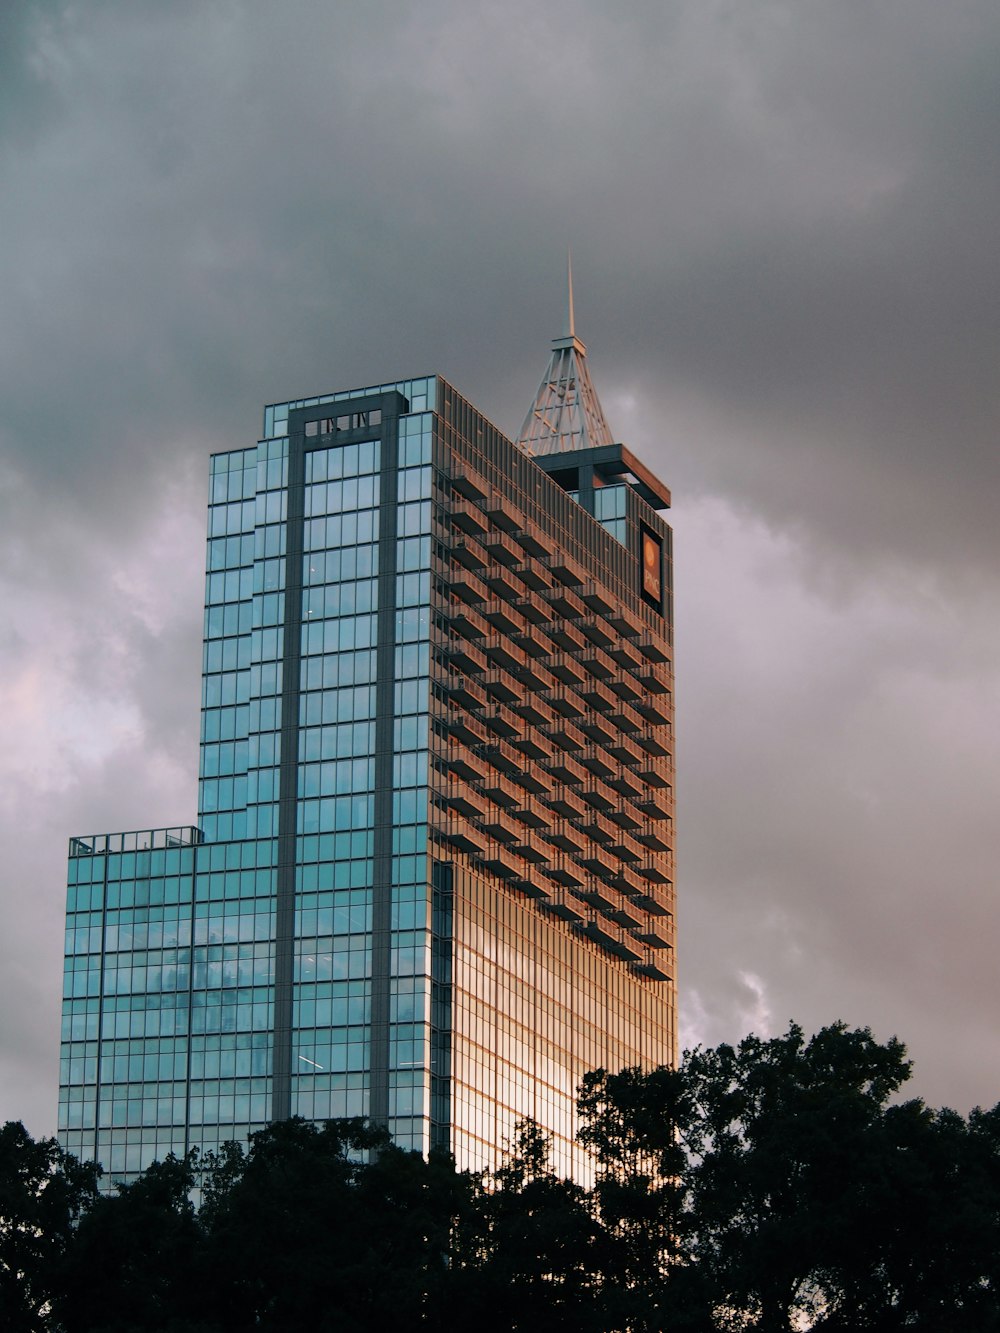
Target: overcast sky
{"x": 784, "y": 217}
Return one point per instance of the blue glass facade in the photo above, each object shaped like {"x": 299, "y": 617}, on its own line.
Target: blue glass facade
{"x": 418, "y": 889}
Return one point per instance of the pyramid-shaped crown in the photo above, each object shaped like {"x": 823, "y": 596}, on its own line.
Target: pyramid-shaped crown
{"x": 566, "y": 414}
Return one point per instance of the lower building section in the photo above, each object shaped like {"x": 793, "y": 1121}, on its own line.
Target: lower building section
{"x": 494, "y": 1013}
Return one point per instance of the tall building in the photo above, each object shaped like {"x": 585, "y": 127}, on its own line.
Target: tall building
{"x": 431, "y": 878}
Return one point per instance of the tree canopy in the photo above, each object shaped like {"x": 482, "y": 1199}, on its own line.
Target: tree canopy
{"x": 776, "y": 1185}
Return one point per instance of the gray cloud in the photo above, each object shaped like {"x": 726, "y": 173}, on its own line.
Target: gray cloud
{"x": 783, "y": 220}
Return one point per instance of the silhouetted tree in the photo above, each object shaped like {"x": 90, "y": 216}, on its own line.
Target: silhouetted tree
{"x": 135, "y": 1260}
{"x": 528, "y": 1258}
{"x": 43, "y": 1192}
{"x": 779, "y": 1189}
{"x": 328, "y": 1227}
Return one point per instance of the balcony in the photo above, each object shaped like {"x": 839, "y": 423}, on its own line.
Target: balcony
{"x": 595, "y": 761}
{"x": 499, "y": 686}
{"x": 503, "y": 864}
{"x": 648, "y": 903}
{"x": 627, "y": 848}
{"x": 654, "y": 872}
{"x": 621, "y": 916}
{"x": 628, "y": 718}
{"x": 468, "y": 694}
{"x": 469, "y": 553}
{"x": 534, "y": 746}
{"x": 505, "y": 585}
{"x": 654, "y": 650}
{"x": 506, "y": 655}
{"x": 469, "y": 623}
{"x": 566, "y": 769}
{"x": 503, "y": 513}
{"x": 537, "y": 612}
{"x": 466, "y": 802}
{"x": 597, "y": 600}
{"x": 626, "y": 624}
{"x": 566, "y": 875}
{"x": 566, "y": 735}
{"x": 503, "y": 550}
{"x": 568, "y": 637}
{"x": 468, "y": 519}
{"x": 623, "y": 817}
{"x": 625, "y": 880}
{"x": 566, "y": 703}
{"x": 568, "y": 604}
{"x": 654, "y": 840}
{"x": 651, "y": 970}
{"x": 623, "y": 653}
{"x": 535, "y": 711}
{"x": 657, "y": 773}
{"x": 465, "y": 728}
{"x": 528, "y": 851}
{"x": 597, "y": 633}
{"x": 468, "y": 485}
{"x": 535, "y": 781}
{"x": 597, "y": 861}
{"x": 657, "y": 712}
{"x": 567, "y": 804}
{"x": 502, "y": 791}
{"x": 654, "y": 940}
{"x": 651, "y": 743}
{"x": 535, "y": 676}
{"x": 536, "y": 577}
{"x": 501, "y": 827}
{"x": 599, "y": 796}
{"x": 463, "y": 836}
{"x": 623, "y": 749}
{"x": 600, "y": 664}
{"x": 600, "y": 902}
{"x": 626, "y": 785}
{"x": 599, "y": 696}
{"x": 602, "y": 733}
{"x": 531, "y": 817}
{"x": 503, "y": 757}
{"x": 505, "y": 619}
{"x": 563, "y": 910}
{"x": 566, "y": 838}
{"x": 567, "y": 670}
{"x": 627, "y": 689}
{"x": 597, "y": 827}
{"x": 467, "y": 657}
{"x": 534, "y": 643}
{"x": 468, "y": 588}
{"x": 566, "y": 569}
{"x": 657, "y": 807}
{"x": 468, "y": 768}
{"x": 533, "y": 542}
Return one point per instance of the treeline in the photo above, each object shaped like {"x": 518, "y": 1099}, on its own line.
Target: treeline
{"x": 779, "y": 1185}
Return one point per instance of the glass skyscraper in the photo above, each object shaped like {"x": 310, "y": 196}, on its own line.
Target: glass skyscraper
{"x": 431, "y": 879}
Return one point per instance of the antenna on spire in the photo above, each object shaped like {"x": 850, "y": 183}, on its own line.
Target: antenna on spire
{"x": 570, "y": 328}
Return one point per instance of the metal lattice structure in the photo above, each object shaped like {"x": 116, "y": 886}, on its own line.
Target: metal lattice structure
{"x": 566, "y": 414}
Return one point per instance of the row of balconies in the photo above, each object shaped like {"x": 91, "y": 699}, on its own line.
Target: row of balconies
{"x": 563, "y": 583}
{"x": 498, "y": 807}
{"x": 478, "y": 611}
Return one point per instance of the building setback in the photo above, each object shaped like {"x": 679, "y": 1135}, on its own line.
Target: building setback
{"x": 431, "y": 880}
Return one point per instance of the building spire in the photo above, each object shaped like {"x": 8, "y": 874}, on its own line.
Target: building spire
{"x": 566, "y": 414}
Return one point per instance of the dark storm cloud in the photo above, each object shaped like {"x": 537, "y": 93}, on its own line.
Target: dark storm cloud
{"x": 783, "y": 220}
